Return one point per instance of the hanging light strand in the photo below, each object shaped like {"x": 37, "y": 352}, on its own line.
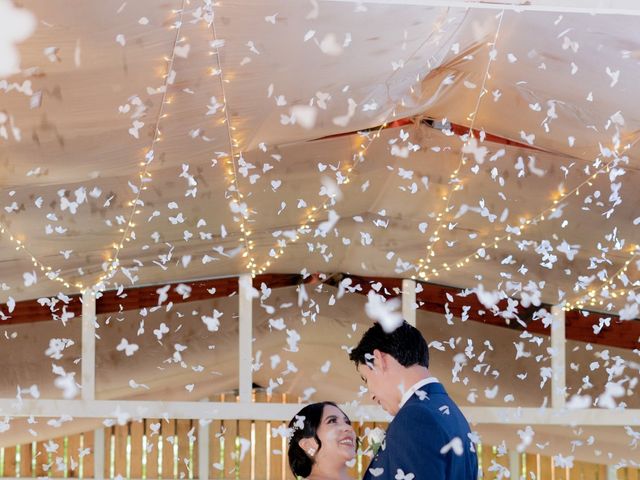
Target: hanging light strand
{"x": 144, "y": 175}
{"x": 239, "y": 208}
{"x": 544, "y": 215}
{"x": 46, "y": 269}
{"x": 591, "y": 297}
{"x": 524, "y": 225}
{"x": 55, "y": 275}
{"x": 608, "y": 294}
{"x": 312, "y": 214}
{"x": 454, "y": 180}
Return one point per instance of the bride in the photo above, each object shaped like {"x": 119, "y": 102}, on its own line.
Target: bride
{"x": 322, "y": 441}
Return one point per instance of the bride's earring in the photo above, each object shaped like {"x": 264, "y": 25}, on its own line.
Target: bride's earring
{"x": 311, "y": 452}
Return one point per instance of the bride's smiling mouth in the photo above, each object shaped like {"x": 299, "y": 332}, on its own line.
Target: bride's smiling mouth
{"x": 348, "y": 441}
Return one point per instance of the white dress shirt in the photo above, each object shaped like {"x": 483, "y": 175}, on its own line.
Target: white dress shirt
{"x": 417, "y": 386}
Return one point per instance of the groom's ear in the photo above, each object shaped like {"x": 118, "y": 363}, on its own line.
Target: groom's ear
{"x": 379, "y": 360}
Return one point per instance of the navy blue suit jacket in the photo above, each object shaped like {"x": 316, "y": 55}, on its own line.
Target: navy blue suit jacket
{"x": 416, "y": 436}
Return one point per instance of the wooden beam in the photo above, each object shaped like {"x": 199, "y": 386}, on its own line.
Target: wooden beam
{"x": 431, "y": 298}
{"x": 579, "y": 324}
{"x": 585, "y": 7}
{"x": 125, "y": 410}
{"x": 29, "y": 311}
{"x": 456, "y": 128}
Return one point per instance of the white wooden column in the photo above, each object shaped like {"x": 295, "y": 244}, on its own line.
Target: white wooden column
{"x": 558, "y": 358}
{"x": 88, "y": 373}
{"x": 514, "y": 464}
{"x": 98, "y": 454}
{"x": 409, "y": 301}
{"x": 203, "y": 448}
{"x": 612, "y": 472}
{"x": 245, "y": 337}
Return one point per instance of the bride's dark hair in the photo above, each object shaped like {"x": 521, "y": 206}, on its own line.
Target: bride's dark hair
{"x": 299, "y": 462}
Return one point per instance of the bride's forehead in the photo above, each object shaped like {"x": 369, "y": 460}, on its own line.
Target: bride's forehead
{"x": 331, "y": 410}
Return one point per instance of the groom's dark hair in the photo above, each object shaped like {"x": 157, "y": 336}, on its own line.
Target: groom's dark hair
{"x": 406, "y": 344}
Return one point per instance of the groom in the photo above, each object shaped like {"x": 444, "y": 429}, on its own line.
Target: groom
{"x": 428, "y": 438}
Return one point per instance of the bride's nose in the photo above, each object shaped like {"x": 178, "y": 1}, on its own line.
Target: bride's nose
{"x": 347, "y": 427}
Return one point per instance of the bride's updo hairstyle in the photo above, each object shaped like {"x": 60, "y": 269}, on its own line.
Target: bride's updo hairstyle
{"x": 299, "y": 461}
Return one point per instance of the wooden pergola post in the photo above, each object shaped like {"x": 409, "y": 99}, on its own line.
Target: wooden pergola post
{"x": 558, "y": 358}
{"x": 245, "y": 337}
{"x": 409, "y": 301}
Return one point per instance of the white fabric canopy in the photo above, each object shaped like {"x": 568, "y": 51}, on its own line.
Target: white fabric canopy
{"x": 95, "y": 88}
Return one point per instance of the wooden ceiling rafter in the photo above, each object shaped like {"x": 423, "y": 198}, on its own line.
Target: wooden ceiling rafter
{"x": 431, "y": 298}
{"x": 455, "y": 128}
{"x": 578, "y": 323}
{"x": 134, "y": 298}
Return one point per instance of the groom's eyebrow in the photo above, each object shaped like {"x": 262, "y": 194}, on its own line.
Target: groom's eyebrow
{"x": 364, "y": 380}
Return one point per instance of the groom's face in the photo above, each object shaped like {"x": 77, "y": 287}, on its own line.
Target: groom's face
{"x": 379, "y": 381}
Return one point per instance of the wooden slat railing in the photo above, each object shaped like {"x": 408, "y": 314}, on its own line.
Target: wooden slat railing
{"x": 157, "y": 448}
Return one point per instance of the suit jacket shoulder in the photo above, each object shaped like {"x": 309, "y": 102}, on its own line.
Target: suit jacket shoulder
{"x": 419, "y": 440}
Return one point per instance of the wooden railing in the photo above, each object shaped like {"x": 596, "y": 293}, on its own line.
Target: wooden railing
{"x": 238, "y": 449}
{"x": 541, "y": 467}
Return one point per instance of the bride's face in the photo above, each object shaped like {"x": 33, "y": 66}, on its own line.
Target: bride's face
{"x": 337, "y": 436}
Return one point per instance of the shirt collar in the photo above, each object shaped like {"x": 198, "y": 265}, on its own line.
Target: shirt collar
{"x": 417, "y": 386}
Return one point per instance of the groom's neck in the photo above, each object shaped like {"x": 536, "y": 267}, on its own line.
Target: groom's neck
{"x": 407, "y": 377}
{"x": 414, "y": 374}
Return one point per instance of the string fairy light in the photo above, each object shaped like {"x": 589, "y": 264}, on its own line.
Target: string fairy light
{"x": 629, "y": 292}
{"x": 312, "y": 213}
{"x": 51, "y": 274}
{"x": 144, "y": 175}
{"x": 239, "y": 208}
{"x": 424, "y": 262}
{"x": 591, "y": 297}
{"x": 615, "y": 293}
{"x": 535, "y": 220}
{"x": 545, "y": 214}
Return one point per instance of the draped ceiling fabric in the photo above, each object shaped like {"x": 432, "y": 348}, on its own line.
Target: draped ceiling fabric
{"x": 300, "y": 79}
